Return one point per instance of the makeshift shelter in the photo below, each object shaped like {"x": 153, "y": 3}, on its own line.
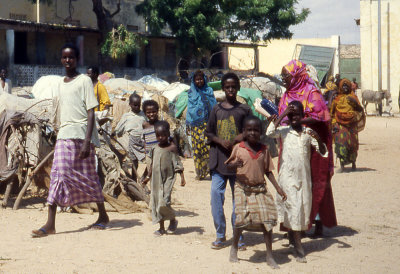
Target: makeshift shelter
{"x": 269, "y": 89}
{"x": 46, "y": 87}
{"x": 25, "y": 142}
{"x": 154, "y": 81}
{"x": 27, "y": 134}
{"x": 173, "y": 90}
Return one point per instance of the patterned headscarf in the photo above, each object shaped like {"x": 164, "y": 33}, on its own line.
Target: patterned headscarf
{"x": 200, "y": 103}
{"x": 344, "y": 112}
{"x": 342, "y": 82}
{"x": 302, "y": 88}
{"x": 330, "y": 85}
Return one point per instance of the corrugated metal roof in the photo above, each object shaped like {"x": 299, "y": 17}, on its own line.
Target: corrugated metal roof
{"x": 319, "y": 57}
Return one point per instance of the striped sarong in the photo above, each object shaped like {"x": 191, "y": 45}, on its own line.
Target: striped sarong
{"x": 254, "y": 206}
{"x": 73, "y": 180}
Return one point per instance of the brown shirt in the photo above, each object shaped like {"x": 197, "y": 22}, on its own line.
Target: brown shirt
{"x": 225, "y": 123}
{"x": 255, "y": 165}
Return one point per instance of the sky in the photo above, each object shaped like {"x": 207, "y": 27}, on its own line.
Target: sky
{"x": 330, "y": 17}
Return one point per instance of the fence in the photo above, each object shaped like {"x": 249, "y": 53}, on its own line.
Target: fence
{"x": 27, "y": 75}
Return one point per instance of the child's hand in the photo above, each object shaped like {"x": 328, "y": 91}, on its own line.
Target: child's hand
{"x": 272, "y": 118}
{"x": 226, "y": 144}
{"x": 281, "y": 193}
{"x": 351, "y": 101}
{"x": 235, "y": 165}
{"x": 314, "y": 135}
{"x": 239, "y": 163}
{"x": 238, "y": 139}
{"x": 289, "y": 109}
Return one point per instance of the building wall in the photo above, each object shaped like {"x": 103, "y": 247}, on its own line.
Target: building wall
{"x": 58, "y": 12}
{"x": 277, "y": 53}
{"x": 3, "y": 48}
{"x": 241, "y": 58}
{"x": 390, "y": 35}
{"x": 81, "y": 12}
{"x": 54, "y": 42}
{"x": 18, "y": 9}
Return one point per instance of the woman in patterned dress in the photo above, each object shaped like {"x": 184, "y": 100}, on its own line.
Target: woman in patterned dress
{"x": 201, "y": 100}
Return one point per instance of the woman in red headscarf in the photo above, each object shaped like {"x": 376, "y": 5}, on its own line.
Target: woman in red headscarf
{"x": 300, "y": 87}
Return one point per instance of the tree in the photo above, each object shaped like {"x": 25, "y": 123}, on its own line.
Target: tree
{"x": 115, "y": 41}
{"x": 199, "y": 24}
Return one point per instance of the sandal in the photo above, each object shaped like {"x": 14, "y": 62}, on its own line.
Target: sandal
{"x": 218, "y": 243}
{"x": 98, "y": 226}
{"x": 41, "y": 232}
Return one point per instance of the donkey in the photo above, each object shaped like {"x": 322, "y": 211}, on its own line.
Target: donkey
{"x": 376, "y": 97}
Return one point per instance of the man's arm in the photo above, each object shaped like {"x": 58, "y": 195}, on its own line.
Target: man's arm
{"x": 85, "y": 150}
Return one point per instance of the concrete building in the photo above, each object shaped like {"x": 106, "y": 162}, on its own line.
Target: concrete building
{"x": 33, "y": 35}
{"x": 36, "y": 32}
{"x": 390, "y": 47}
{"x": 271, "y": 57}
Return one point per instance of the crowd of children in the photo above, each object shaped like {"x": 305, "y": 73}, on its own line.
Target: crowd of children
{"x": 236, "y": 155}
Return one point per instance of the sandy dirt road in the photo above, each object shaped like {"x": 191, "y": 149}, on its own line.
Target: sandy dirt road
{"x": 367, "y": 239}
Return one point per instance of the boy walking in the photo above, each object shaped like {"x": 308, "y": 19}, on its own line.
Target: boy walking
{"x": 224, "y": 129}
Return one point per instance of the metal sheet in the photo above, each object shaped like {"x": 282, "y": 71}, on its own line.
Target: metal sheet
{"x": 319, "y": 57}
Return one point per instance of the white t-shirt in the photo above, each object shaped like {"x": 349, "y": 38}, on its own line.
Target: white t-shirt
{"x": 75, "y": 99}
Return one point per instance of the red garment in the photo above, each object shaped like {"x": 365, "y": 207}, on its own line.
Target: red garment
{"x": 321, "y": 169}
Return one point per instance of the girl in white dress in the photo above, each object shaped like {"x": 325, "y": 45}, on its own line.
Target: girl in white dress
{"x": 294, "y": 172}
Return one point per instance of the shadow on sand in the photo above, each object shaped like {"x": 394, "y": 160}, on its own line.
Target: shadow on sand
{"x": 358, "y": 169}
{"x": 185, "y": 213}
{"x": 112, "y": 225}
{"x": 314, "y": 245}
{"x": 190, "y": 229}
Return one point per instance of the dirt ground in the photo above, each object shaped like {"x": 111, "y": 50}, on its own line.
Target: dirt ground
{"x": 367, "y": 239}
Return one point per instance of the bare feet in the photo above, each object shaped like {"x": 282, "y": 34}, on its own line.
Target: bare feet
{"x": 233, "y": 258}
{"x": 341, "y": 168}
{"x": 301, "y": 260}
{"x": 173, "y": 225}
{"x": 353, "y": 166}
{"x": 159, "y": 232}
{"x": 300, "y": 256}
{"x": 291, "y": 238}
{"x": 271, "y": 262}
